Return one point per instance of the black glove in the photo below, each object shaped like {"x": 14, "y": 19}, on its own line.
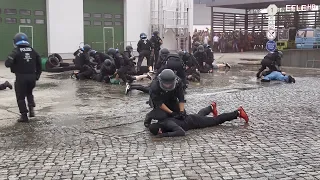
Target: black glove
{"x": 182, "y": 114}
{"x": 37, "y": 77}
{"x": 175, "y": 115}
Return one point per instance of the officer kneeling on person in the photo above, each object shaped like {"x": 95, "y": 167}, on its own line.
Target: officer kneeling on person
{"x": 25, "y": 62}
{"x": 166, "y": 97}
{"x": 83, "y": 64}
{"x": 171, "y": 127}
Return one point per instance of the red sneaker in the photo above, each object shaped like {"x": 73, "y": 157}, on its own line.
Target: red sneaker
{"x": 214, "y": 109}
{"x": 243, "y": 114}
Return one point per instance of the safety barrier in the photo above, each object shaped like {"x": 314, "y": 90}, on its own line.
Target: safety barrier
{"x": 309, "y": 58}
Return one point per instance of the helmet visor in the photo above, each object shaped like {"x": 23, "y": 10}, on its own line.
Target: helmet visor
{"x": 167, "y": 85}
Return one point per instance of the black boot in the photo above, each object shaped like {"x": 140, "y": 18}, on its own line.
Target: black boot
{"x": 8, "y": 85}
{"x": 31, "y": 112}
{"x": 23, "y": 118}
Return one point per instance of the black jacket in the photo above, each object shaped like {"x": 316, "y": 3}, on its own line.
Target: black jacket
{"x": 159, "y": 96}
{"x": 272, "y": 61}
{"x": 176, "y": 64}
{"x": 201, "y": 57}
{"x": 81, "y": 59}
{"x": 144, "y": 45}
{"x": 100, "y": 57}
{"x": 119, "y": 60}
{"x": 210, "y": 57}
{"x": 190, "y": 61}
{"x": 24, "y": 60}
{"x": 156, "y": 41}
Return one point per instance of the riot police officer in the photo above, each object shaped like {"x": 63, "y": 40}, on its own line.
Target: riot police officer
{"x": 195, "y": 46}
{"x": 127, "y": 54}
{"x": 122, "y": 64}
{"x": 25, "y": 62}
{"x": 273, "y": 61}
{"x": 157, "y": 42}
{"x": 166, "y": 97}
{"x": 164, "y": 52}
{"x": 82, "y": 63}
{"x": 191, "y": 66}
{"x": 99, "y": 57}
{"x": 108, "y": 68}
{"x": 201, "y": 57}
{"x": 145, "y": 49}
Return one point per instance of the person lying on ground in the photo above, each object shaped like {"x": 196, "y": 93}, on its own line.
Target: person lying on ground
{"x": 277, "y": 76}
{"x": 179, "y": 124}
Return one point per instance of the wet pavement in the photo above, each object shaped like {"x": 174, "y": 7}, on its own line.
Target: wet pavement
{"x": 88, "y": 130}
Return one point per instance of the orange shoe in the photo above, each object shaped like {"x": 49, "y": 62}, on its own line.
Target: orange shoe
{"x": 214, "y": 109}
{"x": 243, "y": 114}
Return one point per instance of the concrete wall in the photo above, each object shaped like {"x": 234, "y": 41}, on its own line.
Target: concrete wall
{"x": 137, "y": 20}
{"x": 64, "y": 26}
{"x": 202, "y": 13}
{"x": 300, "y": 58}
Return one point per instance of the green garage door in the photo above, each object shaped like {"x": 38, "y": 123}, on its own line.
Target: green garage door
{"x": 23, "y": 16}
{"x": 103, "y": 24}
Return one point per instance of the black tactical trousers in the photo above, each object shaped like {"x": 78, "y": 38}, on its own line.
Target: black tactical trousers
{"x": 24, "y": 86}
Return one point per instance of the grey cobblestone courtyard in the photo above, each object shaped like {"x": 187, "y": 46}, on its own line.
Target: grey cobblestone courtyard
{"x": 81, "y": 134}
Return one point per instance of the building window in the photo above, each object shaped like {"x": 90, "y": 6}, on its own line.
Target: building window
{"x": 11, "y": 20}
{"x": 118, "y": 16}
{"x": 86, "y": 15}
{"x": 25, "y": 21}
{"x": 87, "y": 23}
{"x": 97, "y": 23}
{"x": 108, "y": 16}
{"x": 38, "y": 13}
{"x": 39, "y": 21}
{"x": 25, "y": 12}
{"x": 97, "y": 15}
{"x": 10, "y": 11}
{"x": 118, "y": 23}
{"x": 108, "y": 23}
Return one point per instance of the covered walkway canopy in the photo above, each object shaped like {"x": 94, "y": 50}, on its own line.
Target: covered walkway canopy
{"x": 257, "y": 4}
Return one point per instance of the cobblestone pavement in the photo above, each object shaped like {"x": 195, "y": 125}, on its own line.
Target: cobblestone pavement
{"x": 79, "y": 134}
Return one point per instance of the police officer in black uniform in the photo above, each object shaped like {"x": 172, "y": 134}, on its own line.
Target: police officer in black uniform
{"x": 145, "y": 49}
{"x": 99, "y": 57}
{"x": 25, "y": 62}
{"x": 157, "y": 42}
{"x": 191, "y": 66}
{"x": 195, "y": 46}
{"x": 164, "y": 52}
{"x": 108, "y": 68}
{"x": 127, "y": 54}
{"x": 82, "y": 63}
{"x": 122, "y": 64}
{"x": 273, "y": 61}
{"x": 175, "y": 63}
{"x": 166, "y": 97}
{"x": 201, "y": 57}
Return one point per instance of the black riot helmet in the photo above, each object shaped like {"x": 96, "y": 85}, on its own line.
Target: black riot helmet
{"x": 206, "y": 46}
{"x": 156, "y": 33}
{"x": 20, "y": 39}
{"x": 143, "y": 36}
{"x": 107, "y": 62}
{"x": 129, "y": 48}
{"x": 92, "y": 53}
{"x": 167, "y": 80}
{"x": 181, "y": 53}
{"x": 86, "y": 48}
{"x": 164, "y": 53}
{"x": 112, "y": 51}
{"x": 196, "y": 44}
{"x": 200, "y": 48}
